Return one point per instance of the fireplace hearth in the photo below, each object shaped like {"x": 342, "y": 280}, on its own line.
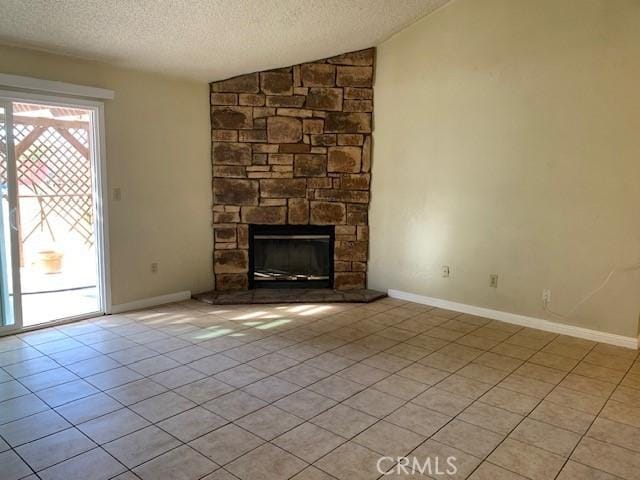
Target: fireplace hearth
{"x": 291, "y": 256}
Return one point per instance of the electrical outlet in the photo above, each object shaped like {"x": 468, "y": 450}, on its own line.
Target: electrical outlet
{"x": 116, "y": 194}
{"x": 546, "y": 297}
{"x": 445, "y": 271}
{"x": 154, "y": 267}
{"x": 493, "y": 280}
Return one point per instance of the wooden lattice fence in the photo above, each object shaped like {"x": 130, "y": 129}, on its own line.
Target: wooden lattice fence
{"x": 54, "y": 167}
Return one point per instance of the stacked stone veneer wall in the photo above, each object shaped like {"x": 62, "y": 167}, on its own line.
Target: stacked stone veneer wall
{"x": 293, "y": 146}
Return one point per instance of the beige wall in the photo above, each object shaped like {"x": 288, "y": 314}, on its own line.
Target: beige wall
{"x": 507, "y": 141}
{"x": 158, "y": 153}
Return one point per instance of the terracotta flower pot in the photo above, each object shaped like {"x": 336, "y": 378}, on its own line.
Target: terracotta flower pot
{"x": 49, "y": 261}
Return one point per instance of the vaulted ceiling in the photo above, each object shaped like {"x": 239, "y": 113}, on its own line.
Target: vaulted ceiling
{"x": 205, "y": 39}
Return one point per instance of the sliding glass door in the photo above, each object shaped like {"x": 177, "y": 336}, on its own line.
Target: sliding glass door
{"x": 51, "y": 248}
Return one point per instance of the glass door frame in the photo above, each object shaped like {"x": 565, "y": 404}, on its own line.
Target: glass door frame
{"x": 100, "y": 205}
{"x": 13, "y": 269}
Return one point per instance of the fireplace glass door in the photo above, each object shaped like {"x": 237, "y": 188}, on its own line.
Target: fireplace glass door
{"x": 291, "y": 256}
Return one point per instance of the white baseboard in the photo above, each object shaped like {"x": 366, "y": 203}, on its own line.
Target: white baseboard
{"x": 151, "y": 302}
{"x": 532, "y": 322}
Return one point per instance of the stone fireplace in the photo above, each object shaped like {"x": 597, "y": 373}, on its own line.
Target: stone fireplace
{"x": 292, "y": 147}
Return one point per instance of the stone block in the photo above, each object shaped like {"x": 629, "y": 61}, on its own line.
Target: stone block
{"x": 354, "y": 76}
{"x": 345, "y": 159}
{"x": 349, "y": 280}
{"x": 283, "y": 188}
{"x": 259, "y": 123}
{"x": 295, "y": 112}
{"x": 294, "y": 148}
{"x": 321, "y": 182}
{"x": 345, "y": 238}
{"x": 339, "y": 195}
{"x": 225, "y": 246}
{"x": 264, "y": 215}
{"x": 226, "y": 217}
{"x": 310, "y": 165}
{"x": 224, "y": 233}
{"x": 260, "y": 158}
{"x": 356, "y": 93}
{"x": 295, "y": 101}
{"x": 265, "y": 148}
{"x": 280, "y": 159}
{"x": 359, "y": 266}
{"x": 273, "y": 202}
{"x": 310, "y": 126}
{"x": 345, "y": 230}
{"x": 229, "y": 171}
{"x": 231, "y": 117}
{"x": 360, "y": 58}
{"x": 227, "y": 153}
{"x": 224, "y": 99}
{"x": 323, "y": 140}
{"x": 243, "y": 235}
{"x": 358, "y": 106}
{"x": 351, "y": 251}
{"x": 318, "y": 75}
{"x": 341, "y": 266}
{"x": 252, "y": 136}
{"x": 231, "y": 281}
{"x": 357, "y": 214}
{"x": 356, "y": 182}
{"x": 347, "y": 122}
{"x": 350, "y": 139}
{"x": 230, "y": 261}
{"x": 298, "y": 211}
{"x": 297, "y": 80}
{"x": 284, "y": 130}
{"x": 366, "y": 154}
{"x": 282, "y": 168}
{"x": 276, "y": 83}
{"x": 232, "y": 191}
{"x": 263, "y": 112}
{"x": 224, "y": 135}
{"x": 324, "y": 99}
{"x": 362, "y": 233}
{"x": 328, "y": 213}
{"x": 242, "y": 84}
{"x": 252, "y": 99}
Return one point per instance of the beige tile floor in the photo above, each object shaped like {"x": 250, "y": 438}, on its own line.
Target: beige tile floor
{"x": 313, "y": 392}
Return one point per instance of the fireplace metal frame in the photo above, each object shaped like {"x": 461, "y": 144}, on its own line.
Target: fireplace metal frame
{"x": 292, "y": 231}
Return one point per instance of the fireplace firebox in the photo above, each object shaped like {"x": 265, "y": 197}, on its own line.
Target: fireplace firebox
{"x": 291, "y": 256}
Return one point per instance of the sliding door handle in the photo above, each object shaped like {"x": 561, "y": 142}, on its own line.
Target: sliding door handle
{"x": 13, "y": 219}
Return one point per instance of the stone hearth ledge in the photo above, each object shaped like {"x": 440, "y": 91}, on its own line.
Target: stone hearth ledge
{"x": 289, "y": 295}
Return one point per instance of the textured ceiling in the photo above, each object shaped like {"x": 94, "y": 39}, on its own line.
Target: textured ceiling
{"x": 205, "y": 39}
